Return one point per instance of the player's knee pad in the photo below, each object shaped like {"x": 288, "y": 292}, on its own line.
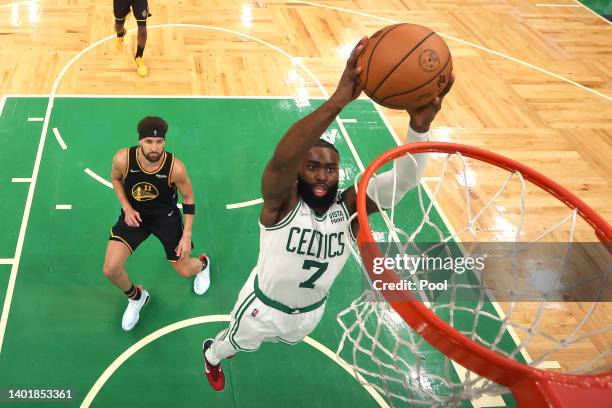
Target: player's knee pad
{"x": 119, "y": 21}
{"x": 141, "y": 23}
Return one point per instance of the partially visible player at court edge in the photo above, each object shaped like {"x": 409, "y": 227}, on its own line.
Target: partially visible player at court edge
{"x": 140, "y": 9}
{"x": 303, "y": 228}
{"x": 145, "y": 179}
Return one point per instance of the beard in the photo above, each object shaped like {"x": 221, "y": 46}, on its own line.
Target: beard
{"x": 152, "y": 158}
{"x": 322, "y": 203}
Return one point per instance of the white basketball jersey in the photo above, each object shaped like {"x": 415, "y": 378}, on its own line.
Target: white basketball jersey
{"x": 301, "y": 256}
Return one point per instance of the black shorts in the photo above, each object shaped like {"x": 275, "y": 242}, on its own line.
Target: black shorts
{"x": 140, "y": 8}
{"x": 168, "y": 229}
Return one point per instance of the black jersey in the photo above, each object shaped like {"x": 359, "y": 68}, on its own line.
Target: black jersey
{"x": 150, "y": 193}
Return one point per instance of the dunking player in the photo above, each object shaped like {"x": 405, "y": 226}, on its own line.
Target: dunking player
{"x": 140, "y": 9}
{"x": 303, "y": 223}
{"x": 145, "y": 179}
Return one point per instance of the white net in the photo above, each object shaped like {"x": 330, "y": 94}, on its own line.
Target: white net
{"x": 539, "y": 297}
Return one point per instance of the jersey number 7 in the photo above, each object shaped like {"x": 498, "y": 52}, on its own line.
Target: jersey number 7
{"x": 309, "y": 264}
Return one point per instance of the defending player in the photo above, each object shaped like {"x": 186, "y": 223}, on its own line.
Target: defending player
{"x": 145, "y": 179}
{"x": 140, "y": 9}
{"x": 303, "y": 228}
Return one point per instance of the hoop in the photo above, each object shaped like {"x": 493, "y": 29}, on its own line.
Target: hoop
{"x": 530, "y": 386}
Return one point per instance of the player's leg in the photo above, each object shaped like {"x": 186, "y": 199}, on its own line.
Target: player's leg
{"x": 247, "y": 330}
{"x": 188, "y": 267}
{"x": 120, "y": 10}
{"x": 198, "y": 267}
{"x": 116, "y": 254}
{"x": 295, "y": 330}
{"x": 141, "y": 13}
{"x": 245, "y": 333}
{"x": 170, "y": 231}
{"x": 123, "y": 241}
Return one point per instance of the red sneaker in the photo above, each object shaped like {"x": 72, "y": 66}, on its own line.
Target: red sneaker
{"x": 214, "y": 374}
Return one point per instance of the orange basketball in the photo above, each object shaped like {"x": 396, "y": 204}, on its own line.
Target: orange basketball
{"x": 405, "y": 66}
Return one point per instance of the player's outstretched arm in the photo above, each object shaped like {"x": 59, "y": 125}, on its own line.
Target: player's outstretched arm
{"x": 388, "y": 188}
{"x": 278, "y": 181}
{"x": 118, "y": 172}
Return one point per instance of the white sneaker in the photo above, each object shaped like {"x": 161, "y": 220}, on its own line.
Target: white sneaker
{"x": 132, "y": 311}
{"x": 201, "y": 283}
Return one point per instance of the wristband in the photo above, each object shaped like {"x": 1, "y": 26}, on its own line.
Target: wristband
{"x": 189, "y": 209}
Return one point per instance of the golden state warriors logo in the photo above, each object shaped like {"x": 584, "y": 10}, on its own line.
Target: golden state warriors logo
{"x": 144, "y": 192}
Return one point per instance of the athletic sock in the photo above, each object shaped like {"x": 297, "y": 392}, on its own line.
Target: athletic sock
{"x": 133, "y": 293}
{"x": 212, "y": 361}
{"x": 139, "y": 51}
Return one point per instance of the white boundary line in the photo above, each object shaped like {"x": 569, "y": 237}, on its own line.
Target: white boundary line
{"x": 21, "y": 180}
{"x": 59, "y": 139}
{"x": 549, "y": 365}
{"x": 36, "y": 119}
{"x": 28, "y": 205}
{"x": 480, "y": 47}
{"x": 430, "y": 179}
{"x": 244, "y": 204}
{"x": 6, "y": 261}
{"x": 166, "y": 96}
{"x": 118, "y": 362}
{"x": 2, "y": 102}
{"x": 98, "y": 178}
{"x": 593, "y": 12}
{"x": 63, "y": 207}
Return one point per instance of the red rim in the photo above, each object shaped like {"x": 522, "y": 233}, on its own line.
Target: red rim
{"x": 530, "y": 386}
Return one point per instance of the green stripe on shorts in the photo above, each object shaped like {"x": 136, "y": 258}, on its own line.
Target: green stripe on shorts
{"x": 239, "y": 315}
{"x": 237, "y": 312}
{"x": 237, "y": 326}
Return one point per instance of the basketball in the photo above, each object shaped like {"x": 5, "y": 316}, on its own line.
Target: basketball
{"x": 405, "y": 66}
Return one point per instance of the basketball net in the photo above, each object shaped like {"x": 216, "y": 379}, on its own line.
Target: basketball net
{"x": 532, "y": 322}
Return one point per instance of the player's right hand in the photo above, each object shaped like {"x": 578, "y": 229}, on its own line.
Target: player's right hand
{"x": 421, "y": 118}
{"x": 132, "y": 217}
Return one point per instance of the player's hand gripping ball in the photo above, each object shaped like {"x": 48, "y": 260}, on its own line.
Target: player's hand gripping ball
{"x": 405, "y": 66}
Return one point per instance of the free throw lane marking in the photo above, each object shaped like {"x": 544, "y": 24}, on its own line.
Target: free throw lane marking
{"x": 244, "y": 204}
{"x": 59, "y": 139}
{"x": 98, "y": 178}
